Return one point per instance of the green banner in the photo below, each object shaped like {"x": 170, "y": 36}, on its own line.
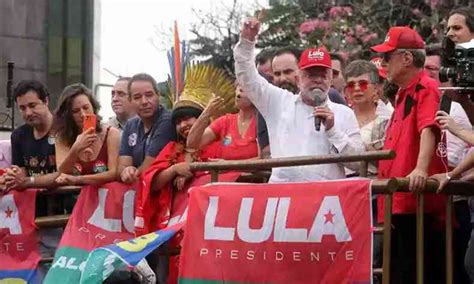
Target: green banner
{"x": 67, "y": 266}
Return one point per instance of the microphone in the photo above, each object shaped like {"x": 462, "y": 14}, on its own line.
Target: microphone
{"x": 317, "y": 97}
{"x": 9, "y": 84}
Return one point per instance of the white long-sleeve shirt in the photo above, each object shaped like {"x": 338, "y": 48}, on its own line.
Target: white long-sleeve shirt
{"x": 457, "y": 148}
{"x": 290, "y": 124}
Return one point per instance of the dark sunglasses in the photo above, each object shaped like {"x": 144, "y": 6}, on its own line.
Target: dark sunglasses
{"x": 363, "y": 85}
{"x": 387, "y": 56}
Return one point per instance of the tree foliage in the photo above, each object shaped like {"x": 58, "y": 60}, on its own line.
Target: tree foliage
{"x": 346, "y": 26}
{"x": 349, "y": 27}
{"x": 215, "y": 34}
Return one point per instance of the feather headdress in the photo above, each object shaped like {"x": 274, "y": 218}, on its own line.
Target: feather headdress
{"x": 194, "y": 85}
{"x": 202, "y": 82}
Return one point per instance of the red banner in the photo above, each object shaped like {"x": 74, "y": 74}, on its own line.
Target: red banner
{"x": 279, "y": 233}
{"x": 102, "y": 215}
{"x": 19, "y": 251}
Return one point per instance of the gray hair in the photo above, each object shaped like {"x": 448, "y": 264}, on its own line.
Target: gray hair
{"x": 360, "y": 67}
{"x": 419, "y": 56}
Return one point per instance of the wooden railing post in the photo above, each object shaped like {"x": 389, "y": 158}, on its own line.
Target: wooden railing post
{"x": 420, "y": 202}
{"x": 364, "y": 169}
{"x": 449, "y": 240}
{"x": 214, "y": 176}
{"x": 387, "y": 238}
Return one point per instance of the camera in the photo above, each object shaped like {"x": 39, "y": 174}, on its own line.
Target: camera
{"x": 457, "y": 64}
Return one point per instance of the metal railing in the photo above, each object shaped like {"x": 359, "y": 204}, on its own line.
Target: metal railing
{"x": 385, "y": 187}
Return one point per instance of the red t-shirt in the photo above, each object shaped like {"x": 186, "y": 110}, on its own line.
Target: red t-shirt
{"x": 232, "y": 145}
{"x": 415, "y": 110}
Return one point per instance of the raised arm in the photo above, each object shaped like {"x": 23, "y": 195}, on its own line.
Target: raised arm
{"x": 67, "y": 157}
{"x": 113, "y": 141}
{"x": 462, "y": 131}
{"x": 200, "y": 135}
{"x": 264, "y": 96}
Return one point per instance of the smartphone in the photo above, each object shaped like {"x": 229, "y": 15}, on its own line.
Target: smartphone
{"x": 90, "y": 121}
{"x": 445, "y": 104}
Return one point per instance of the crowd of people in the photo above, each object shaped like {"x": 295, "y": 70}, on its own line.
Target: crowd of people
{"x": 289, "y": 103}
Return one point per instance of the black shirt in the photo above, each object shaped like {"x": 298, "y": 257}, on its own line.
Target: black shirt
{"x": 37, "y": 156}
{"x": 262, "y": 132}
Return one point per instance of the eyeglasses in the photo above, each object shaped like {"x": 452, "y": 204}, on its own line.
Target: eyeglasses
{"x": 387, "y": 56}
{"x": 363, "y": 85}
{"x": 432, "y": 68}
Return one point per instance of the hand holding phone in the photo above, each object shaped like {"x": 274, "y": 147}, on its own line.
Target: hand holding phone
{"x": 90, "y": 121}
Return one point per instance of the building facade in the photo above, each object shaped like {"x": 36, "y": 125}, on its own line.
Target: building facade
{"x": 53, "y": 41}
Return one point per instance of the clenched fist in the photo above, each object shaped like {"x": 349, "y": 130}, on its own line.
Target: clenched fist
{"x": 250, "y": 29}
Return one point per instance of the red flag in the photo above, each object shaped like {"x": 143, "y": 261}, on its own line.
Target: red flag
{"x": 19, "y": 252}
{"x": 177, "y": 60}
{"x": 279, "y": 233}
{"x": 102, "y": 215}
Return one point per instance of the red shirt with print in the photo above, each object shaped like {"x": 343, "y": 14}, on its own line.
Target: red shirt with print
{"x": 233, "y": 146}
{"x": 415, "y": 110}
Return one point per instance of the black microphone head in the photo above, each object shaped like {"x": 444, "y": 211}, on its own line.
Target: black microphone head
{"x": 10, "y": 66}
{"x": 315, "y": 97}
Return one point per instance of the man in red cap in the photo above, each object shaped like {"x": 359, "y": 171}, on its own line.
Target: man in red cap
{"x": 413, "y": 135}
{"x": 304, "y": 124}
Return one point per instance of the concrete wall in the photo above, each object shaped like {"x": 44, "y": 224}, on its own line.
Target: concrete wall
{"x": 23, "y": 41}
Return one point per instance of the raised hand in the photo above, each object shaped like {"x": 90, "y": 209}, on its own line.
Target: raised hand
{"x": 446, "y": 122}
{"x": 250, "y": 29}
{"x": 214, "y": 106}
{"x": 84, "y": 140}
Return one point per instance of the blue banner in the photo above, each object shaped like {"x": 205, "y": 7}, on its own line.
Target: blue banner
{"x": 104, "y": 260}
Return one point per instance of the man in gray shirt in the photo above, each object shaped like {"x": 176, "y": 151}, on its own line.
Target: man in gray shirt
{"x": 121, "y": 104}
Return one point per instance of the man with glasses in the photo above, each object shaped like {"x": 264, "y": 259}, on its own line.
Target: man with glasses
{"x": 121, "y": 105}
{"x": 413, "y": 134}
{"x": 291, "y": 118}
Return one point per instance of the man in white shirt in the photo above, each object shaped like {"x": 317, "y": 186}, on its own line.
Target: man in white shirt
{"x": 291, "y": 119}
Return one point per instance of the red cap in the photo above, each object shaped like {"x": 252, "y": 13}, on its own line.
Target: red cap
{"x": 400, "y": 37}
{"x": 377, "y": 61}
{"x": 313, "y": 57}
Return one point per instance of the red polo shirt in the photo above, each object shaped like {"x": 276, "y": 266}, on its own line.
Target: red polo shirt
{"x": 415, "y": 109}
{"x": 232, "y": 145}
